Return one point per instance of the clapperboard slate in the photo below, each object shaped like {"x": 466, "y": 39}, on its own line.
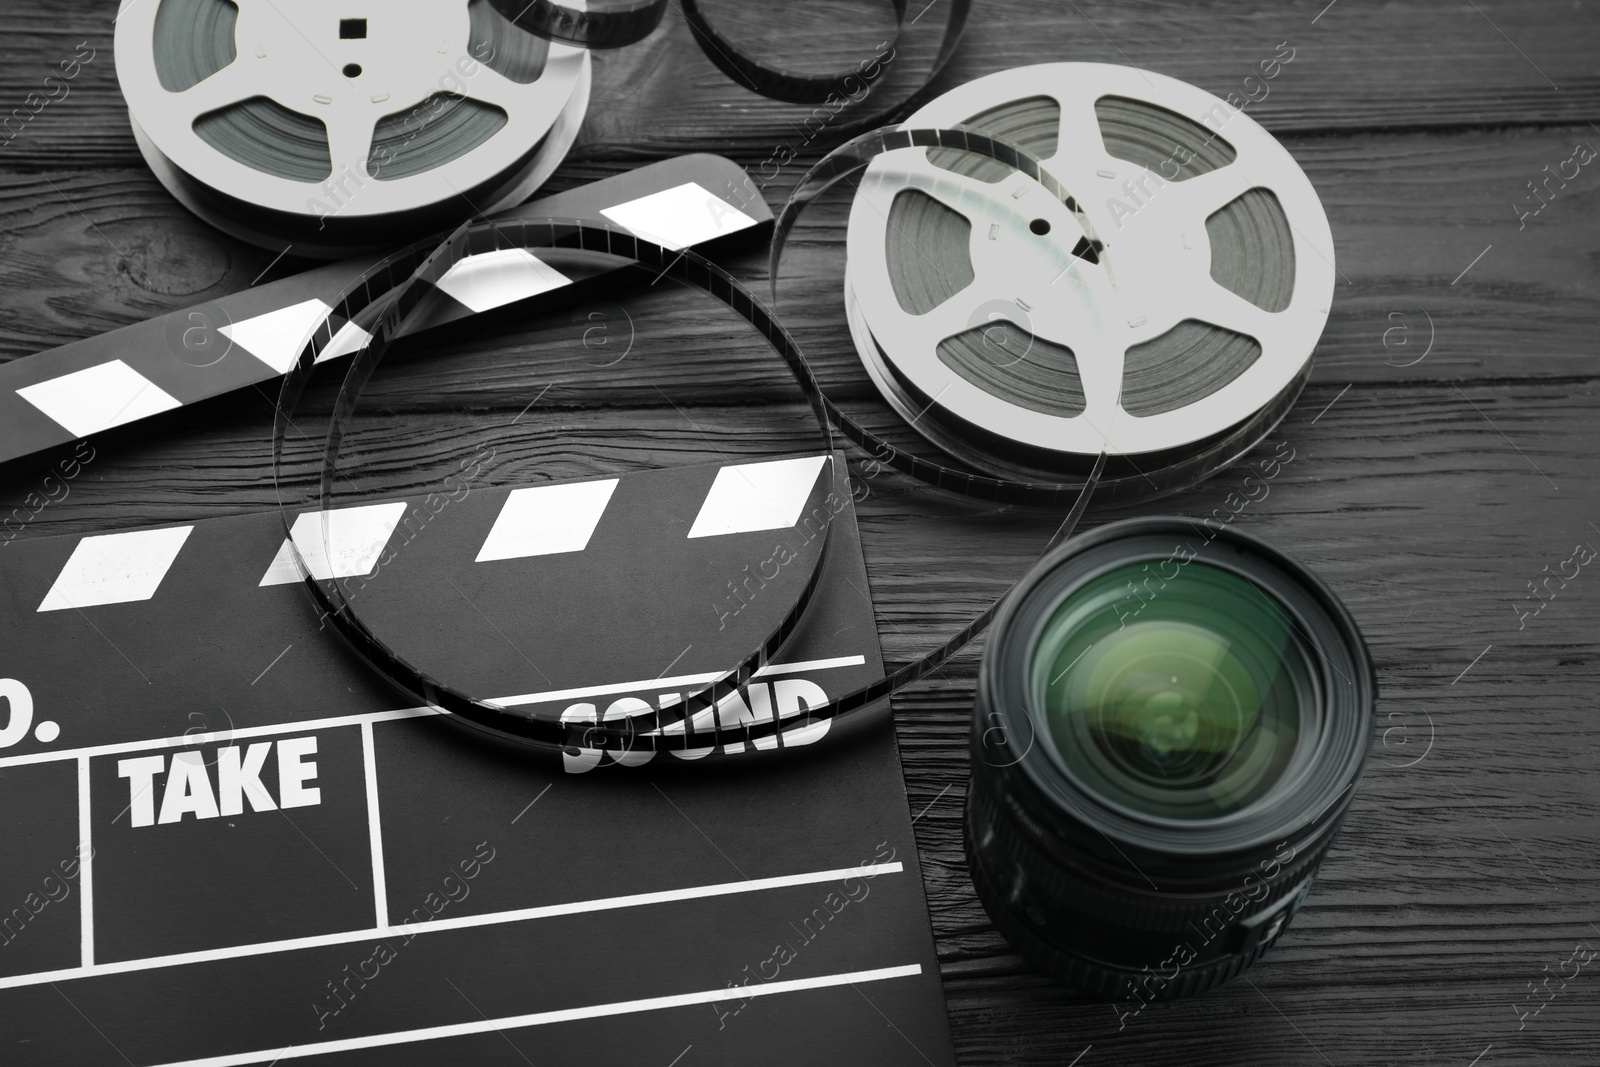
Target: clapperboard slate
{"x": 98, "y": 384}
{"x": 226, "y": 842}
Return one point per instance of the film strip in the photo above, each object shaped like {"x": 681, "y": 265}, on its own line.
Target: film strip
{"x": 928, "y": 42}
{"x": 604, "y": 24}
{"x": 397, "y": 285}
{"x": 121, "y": 378}
{"x": 693, "y": 723}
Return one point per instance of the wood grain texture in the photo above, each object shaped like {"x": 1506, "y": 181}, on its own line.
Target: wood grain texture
{"x": 1428, "y": 493}
{"x": 1362, "y": 64}
{"x": 1409, "y": 214}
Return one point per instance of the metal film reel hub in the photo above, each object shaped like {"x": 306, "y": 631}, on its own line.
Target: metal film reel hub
{"x": 1191, "y": 329}
{"x": 286, "y": 121}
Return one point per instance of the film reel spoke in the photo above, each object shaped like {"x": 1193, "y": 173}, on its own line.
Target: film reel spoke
{"x": 350, "y": 140}
{"x": 974, "y": 307}
{"x": 489, "y": 86}
{"x": 1101, "y": 367}
{"x": 1219, "y": 306}
{"x": 1087, "y": 165}
{"x": 233, "y": 84}
{"x": 1188, "y": 204}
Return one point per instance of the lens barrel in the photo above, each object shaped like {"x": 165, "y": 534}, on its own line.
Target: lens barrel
{"x": 1171, "y": 720}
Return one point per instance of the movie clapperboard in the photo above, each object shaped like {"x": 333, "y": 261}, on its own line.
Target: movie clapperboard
{"x": 94, "y": 385}
{"x": 227, "y": 841}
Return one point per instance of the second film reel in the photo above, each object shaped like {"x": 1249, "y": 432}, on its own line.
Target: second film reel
{"x": 1164, "y": 311}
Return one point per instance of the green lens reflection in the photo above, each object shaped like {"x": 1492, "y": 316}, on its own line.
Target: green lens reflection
{"x": 1177, "y": 697}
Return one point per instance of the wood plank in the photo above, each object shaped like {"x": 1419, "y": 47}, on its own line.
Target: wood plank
{"x": 1429, "y": 494}
{"x": 86, "y": 252}
{"x": 1428, "y": 917}
{"x": 1420, "y": 67}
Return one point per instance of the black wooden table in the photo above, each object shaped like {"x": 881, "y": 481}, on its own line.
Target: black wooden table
{"x": 1441, "y": 471}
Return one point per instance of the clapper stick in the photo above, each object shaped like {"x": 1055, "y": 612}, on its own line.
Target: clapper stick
{"x": 55, "y": 397}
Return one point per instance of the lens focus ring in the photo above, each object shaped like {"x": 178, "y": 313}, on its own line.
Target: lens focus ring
{"x": 1102, "y": 981}
{"x": 1103, "y": 940}
{"x": 1007, "y": 843}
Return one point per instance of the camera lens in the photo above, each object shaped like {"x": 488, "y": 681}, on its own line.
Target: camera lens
{"x": 1187, "y": 707}
{"x": 1171, "y": 719}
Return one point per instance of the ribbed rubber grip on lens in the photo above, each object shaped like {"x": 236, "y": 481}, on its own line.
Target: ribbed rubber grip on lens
{"x": 1101, "y": 981}
{"x": 1084, "y": 902}
{"x": 1119, "y": 905}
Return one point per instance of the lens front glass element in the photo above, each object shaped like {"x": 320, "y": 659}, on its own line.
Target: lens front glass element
{"x": 1178, "y": 697}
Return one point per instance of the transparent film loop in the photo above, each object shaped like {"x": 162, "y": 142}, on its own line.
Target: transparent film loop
{"x": 401, "y": 281}
{"x": 410, "y": 275}
{"x": 925, "y": 33}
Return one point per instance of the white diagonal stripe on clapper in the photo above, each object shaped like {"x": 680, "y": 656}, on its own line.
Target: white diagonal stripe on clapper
{"x": 115, "y": 568}
{"x": 748, "y": 497}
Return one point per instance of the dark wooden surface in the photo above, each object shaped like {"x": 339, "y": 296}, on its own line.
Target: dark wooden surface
{"x": 1429, "y": 495}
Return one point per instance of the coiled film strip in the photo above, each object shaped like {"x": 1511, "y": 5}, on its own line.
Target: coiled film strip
{"x": 694, "y": 723}
{"x": 613, "y": 23}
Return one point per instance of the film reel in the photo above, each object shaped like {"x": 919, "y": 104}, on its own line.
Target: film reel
{"x": 1182, "y": 340}
{"x": 286, "y": 124}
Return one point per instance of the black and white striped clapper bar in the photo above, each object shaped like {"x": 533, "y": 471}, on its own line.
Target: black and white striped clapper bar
{"x": 53, "y": 398}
